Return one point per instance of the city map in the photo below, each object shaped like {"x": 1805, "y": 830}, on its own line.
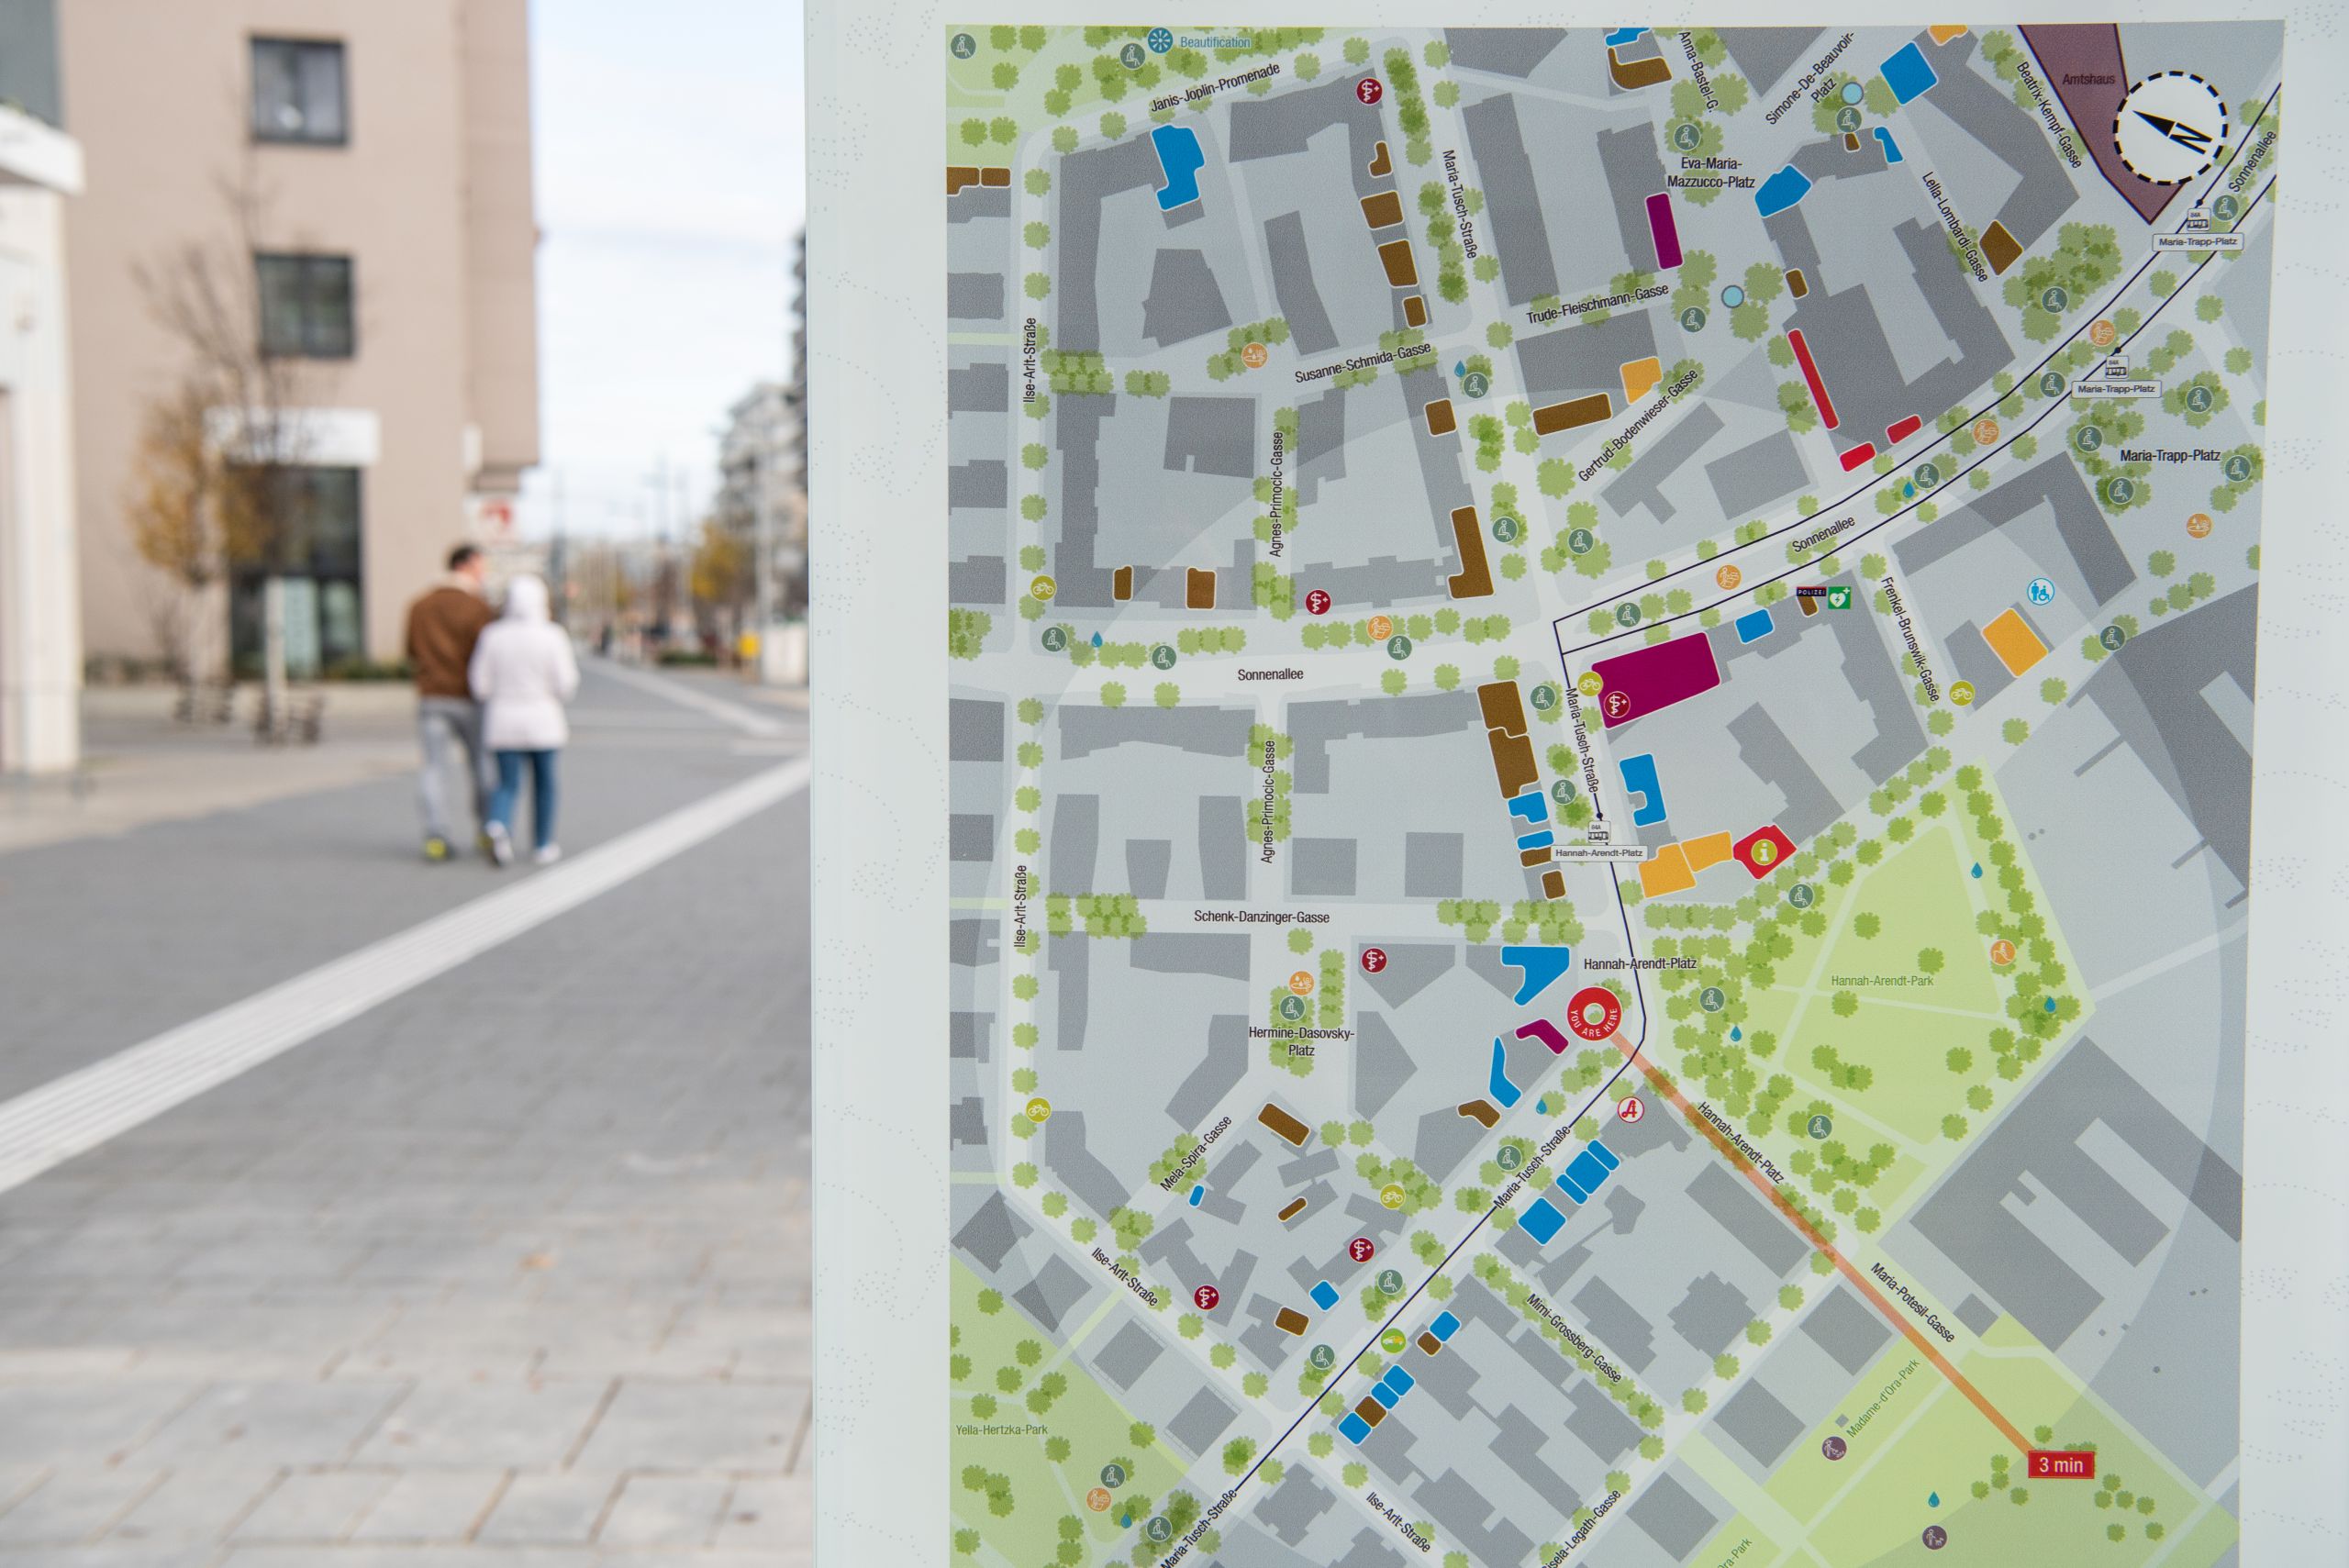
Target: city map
{"x": 1599, "y": 768}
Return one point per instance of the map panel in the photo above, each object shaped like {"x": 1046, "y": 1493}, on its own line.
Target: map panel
{"x": 1599, "y": 768}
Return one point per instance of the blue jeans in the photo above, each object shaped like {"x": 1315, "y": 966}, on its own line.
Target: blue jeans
{"x": 508, "y": 793}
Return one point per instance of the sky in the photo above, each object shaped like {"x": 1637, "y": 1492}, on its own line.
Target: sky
{"x": 671, "y": 167}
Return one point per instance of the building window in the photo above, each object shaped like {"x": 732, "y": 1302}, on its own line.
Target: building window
{"x": 318, "y": 553}
{"x": 306, "y": 307}
{"x": 298, "y": 93}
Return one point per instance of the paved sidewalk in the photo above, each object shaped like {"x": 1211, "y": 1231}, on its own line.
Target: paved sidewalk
{"x": 511, "y": 1269}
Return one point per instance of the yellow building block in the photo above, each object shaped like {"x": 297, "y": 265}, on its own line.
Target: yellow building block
{"x": 1942, "y": 35}
{"x": 1666, "y": 872}
{"x": 2011, "y": 639}
{"x": 1709, "y": 850}
{"x": 1639, "y": 378}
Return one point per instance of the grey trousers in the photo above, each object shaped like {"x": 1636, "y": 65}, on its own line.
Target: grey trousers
{"x": 445, "y": 725}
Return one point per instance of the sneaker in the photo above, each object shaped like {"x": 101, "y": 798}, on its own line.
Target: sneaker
{"x": 436, "y": 849}
{"x": 548, "y": 854}
{"x": 483, "y": 843}
{"x": 501, "y": 846}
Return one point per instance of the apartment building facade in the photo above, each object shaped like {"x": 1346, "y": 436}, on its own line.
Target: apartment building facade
{"x": 353, "y": 180}
{"x": 41, "y": 643}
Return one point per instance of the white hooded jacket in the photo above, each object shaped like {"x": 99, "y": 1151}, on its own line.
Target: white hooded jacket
{"x": 522, "y": 673}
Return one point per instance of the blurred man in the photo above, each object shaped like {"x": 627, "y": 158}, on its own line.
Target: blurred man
{"x": 442, "y": 626}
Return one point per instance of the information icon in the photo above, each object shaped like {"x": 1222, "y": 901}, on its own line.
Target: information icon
{"x": 1712, "y": 998}
{"x": 1581, "y": 541}
{"x": 2042, "y": 592}
{"x": 1160, "y": 1528}
{"x": 1055, "y": 639}
{"x": 964, "y": 46}
{"x": 1292, "y": 1007}
{"x": 2052, "y": 384}
{"x": 2112, "y": 637}
{"x": 1544, "y": 697}
{"x": 1322, "y": 1358}
{"x": 1131, "y": 57}
{"x": 1802, "y": 895}
{"x": 1113, "y": 1475}
{"x": 1476, "y": 384}
{"x": 1820, "y": 1125}
{"x": 1627, "y": 614}
{"x": 1693, "y": 318}
{"x": 1390, "y": 1282}
{"x": 1508, "y": 1157}
{"x": 1398, "y": 647}
{"x": 1505, "y": 529}
{"x": 2238, "y": 468}
{"x": 1161, "y": 657}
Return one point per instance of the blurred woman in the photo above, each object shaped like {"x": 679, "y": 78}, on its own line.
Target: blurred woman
{"x": 522, "y": 673}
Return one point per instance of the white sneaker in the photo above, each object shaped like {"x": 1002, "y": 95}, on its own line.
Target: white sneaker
{"x": 548, "y": 854}
{"x": 501, "y": 844}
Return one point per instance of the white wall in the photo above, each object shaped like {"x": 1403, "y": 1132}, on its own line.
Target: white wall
{"x": 40, "y": 599}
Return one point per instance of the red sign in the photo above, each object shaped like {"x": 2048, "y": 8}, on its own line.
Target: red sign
{"x": 1204, "y": 1297}
{"x": 1361, "y": 1248}
{"x": 1317, "y": 603}
{"x": 1369, "y": 90}
{"x": 1594, "y": 1014}
{"x": 2061, "y": 1464}
{"x": 1373, "y": 960}
{"x": 1631, "y": 1109}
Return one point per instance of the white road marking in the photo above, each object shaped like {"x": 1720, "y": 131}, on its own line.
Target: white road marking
{"x": 741, "y": 717}
{"x": 46, "y": 1126}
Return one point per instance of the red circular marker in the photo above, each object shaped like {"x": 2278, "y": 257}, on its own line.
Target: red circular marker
{"x": 1369, "y": 90}
{"x": 1361, "y": 1248}
{"x": 1204, "y": 1297}
{"x": 1631, "y": 1109}
{"x": 1317, "y": 603}
{"x": 1594, "y": 1014}
{"x": 1618, "y": 704}
{"x": 1373, "y": 960}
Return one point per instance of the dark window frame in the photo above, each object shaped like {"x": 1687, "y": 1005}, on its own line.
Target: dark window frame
{"x": 297, "y": 50}
{"x": 312, "y": 339}
{"x": 299, "y": 555}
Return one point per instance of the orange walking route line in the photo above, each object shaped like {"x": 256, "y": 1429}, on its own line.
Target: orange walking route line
{"x": 1898, "y": 1319}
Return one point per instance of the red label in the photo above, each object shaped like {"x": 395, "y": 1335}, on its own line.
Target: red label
{"x": 1205, "y": 1296}
{"x": 1317, "y": 603}
{"x": 1369, "y": 90}
{"x": 1630, "y": 1109}
{"x": 1594, "y": 1014}
{"x": 2061, "y": 1464}
{"x": 1373, "y": 960}
{"x": 1361, "y": 1248}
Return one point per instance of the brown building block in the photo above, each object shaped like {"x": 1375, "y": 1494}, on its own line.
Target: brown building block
{"x": 1401, "y": 270}
{"x": 1291, "y": 1320}
{"x": 1634, "y": 74}
{"x": 1554, "y": 883}
{"x": 1797, "y": 285}
{"x": 1384, "y": 210}
{"x": 997, "y": 177}
{"x": 1810, "y": 606}
{"x": 1851, "y": 141}
{"x": 1503, "y": 707}
{"x": 1281, "y": 1122}
{"x": 1573, "y": 413}
{"x": 1198, "y": 589}
{"x": 1533, "y": 857}
{"x": 1513, "y": 764}
{"x": 1415, "y": 311}
{"x": 959, "y": 175}
{"x": 1371, "y": 1410}
{"x": 1441, "y": 419}
{"x": 1999, "y": 247}
{"x": 1430, "y": 1344}
{"x": 1380, "y": 164}
{"x": 1296, "y": 1207}
{"x": 1122, "y": 584}
{"x": 1474, "y": 578}
{"x": 1481, "y": 1111}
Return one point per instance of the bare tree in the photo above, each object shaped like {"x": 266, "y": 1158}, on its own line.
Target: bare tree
{"x": 213, "y": 488}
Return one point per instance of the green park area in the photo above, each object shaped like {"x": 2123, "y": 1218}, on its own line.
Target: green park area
{"x": 1032, "y": 1434}
{"x": 1920, "y": 1453}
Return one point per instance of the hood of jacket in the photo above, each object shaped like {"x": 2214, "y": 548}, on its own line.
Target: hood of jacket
{"x": 526, "y": 599}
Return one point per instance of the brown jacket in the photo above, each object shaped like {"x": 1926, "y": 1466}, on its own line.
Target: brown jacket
{"x": 441, "y": 627}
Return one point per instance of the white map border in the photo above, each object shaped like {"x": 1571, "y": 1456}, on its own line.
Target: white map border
{"x": 877, "y": 369}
